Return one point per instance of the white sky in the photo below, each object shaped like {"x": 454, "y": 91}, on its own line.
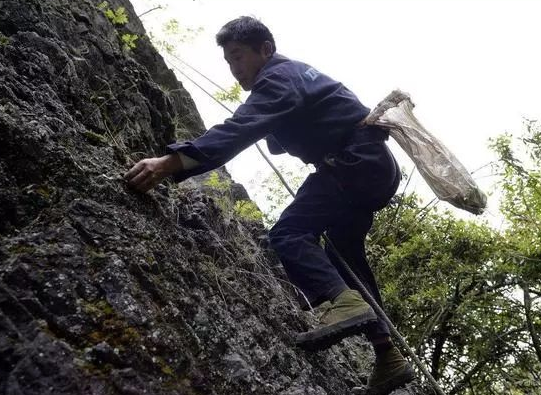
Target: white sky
{"x": 471, "y": 67}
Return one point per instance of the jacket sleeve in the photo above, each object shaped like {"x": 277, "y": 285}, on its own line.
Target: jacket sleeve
{"x": 274, "y": 146}
{"x": 273, "y": 100}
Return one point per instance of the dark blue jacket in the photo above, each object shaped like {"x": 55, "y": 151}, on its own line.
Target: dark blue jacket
{"x": 300, "y": 110}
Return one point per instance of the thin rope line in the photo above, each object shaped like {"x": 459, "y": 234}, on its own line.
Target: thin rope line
{"x": 265, "y": 156}
{"x": 198, "y": 72}
{"x": 203, "y": 89}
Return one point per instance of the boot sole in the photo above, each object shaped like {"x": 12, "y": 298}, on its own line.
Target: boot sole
{"x": 322, "y": 338}
{"x": 396, "y": 382}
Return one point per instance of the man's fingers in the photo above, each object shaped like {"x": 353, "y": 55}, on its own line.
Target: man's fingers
{"x": 148, "y": 184}
{"x": 140, "y": 178}
{"x": 136, "y": 169}
{"x": 145, "y": 181}
{"x": 145, "y": 175}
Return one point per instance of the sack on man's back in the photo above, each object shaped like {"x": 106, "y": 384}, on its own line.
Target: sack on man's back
{"x": 442, "y": 171}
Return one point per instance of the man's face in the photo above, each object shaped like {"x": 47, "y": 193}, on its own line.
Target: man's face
{"x": 245, "y": 63}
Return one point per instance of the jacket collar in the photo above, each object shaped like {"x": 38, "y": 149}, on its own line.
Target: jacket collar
{"x": 273, "y": 61}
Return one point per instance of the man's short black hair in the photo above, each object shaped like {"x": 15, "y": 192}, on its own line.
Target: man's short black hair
{"x": 246, "y": 30}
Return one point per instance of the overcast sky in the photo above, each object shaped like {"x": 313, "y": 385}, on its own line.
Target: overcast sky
{"x": 471, "y": 67}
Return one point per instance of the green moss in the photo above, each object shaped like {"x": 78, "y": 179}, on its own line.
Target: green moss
{"x": 22, "y": 249}
{"x": 129, "y": 335}
{"x": 164, "y": 367}
{"x": 96, "y": 337}
{"x": 95, "y": 256}
{"x": 4, "y": 40}
{"x": 100, "y": 308}
{"x": 95, "y": 139}
{"x": 248, "y": 210}
{"x": 215, "y": 182}
{"x": 167, "y": 370}
{"x": 43, "y": 190}
{"x": 112, "y": 328}
{"x": 100, "y": 370}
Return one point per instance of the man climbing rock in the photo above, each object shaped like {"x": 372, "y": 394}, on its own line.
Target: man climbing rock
{"x": 307, "y": 114}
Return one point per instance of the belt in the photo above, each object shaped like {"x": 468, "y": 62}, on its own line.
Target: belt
{"x": 361, "y": 134}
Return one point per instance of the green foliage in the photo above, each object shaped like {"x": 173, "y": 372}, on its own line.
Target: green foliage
{"x": 455, "y": 287}
{"x": 519, "y": 165}
{"x": 172, "y": 27}
{"x": 223, "y": 187}
{"x": 276, "y": 196}
{"x": 244, "y": 209}
{"x": 95, "y": 138}
{"x": 447, "y": 287}
{"x": 520, "y": 168}
{"x": 214, "y": 181}
{"x": 164, "y": 45}
{"x": 129, "y": 40}
{"x": 232, "y": 95}
{"x": 118, "y": 16}
{"x": 172, "y": 35}
{"x": 4, "y": 40}
{"x": 248, "y": 210}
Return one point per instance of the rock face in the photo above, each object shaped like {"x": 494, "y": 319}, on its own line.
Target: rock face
{"x": 106, "y": 291}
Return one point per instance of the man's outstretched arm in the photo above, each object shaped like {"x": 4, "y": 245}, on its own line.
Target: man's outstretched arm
{"x": 273, "y": 100}
{"x": 148, "y": 173}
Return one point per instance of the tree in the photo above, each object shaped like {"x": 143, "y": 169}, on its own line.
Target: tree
{"x": 520, "y": 168}
{"x": 466, "y": 296}
{"x": 172, "y": 33}
{"x": 441, "y": 285}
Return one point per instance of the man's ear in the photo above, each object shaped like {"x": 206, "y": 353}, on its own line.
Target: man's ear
{"x": 266, "y": 49}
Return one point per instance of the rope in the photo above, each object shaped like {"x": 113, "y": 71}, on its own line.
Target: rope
{"x": 361, "y": 288}
{"x": 379, "y": 311}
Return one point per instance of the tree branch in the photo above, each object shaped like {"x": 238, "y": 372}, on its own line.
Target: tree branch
{"x": 152, "y": 9}
{"x": 529, "y": 321}
{"x": 494, "y": 354}
{"x": 443, "y": 333}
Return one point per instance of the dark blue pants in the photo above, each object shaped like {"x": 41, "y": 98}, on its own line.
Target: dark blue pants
{"x": 339, "y": 198}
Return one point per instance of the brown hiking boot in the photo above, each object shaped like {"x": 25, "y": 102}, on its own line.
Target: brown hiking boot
{"x": 346, "y": 316}
{"x": 391, "y": 372}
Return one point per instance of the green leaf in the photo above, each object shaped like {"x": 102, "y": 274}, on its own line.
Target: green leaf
{"x": 129, "y": 40}
{"x": 118, "y": 16}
